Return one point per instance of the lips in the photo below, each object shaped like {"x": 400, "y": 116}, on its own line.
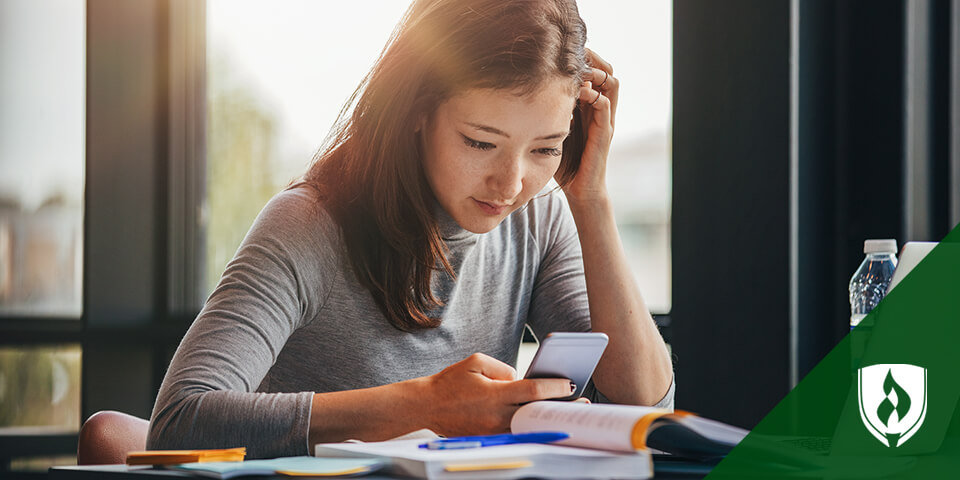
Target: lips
{"x": 490, "y": 208}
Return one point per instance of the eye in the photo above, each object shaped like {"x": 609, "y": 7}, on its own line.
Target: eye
{"x": 477, "y": 144}
{"x": 553, "y": 152}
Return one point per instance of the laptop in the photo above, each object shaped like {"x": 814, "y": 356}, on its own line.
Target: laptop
{"x": 911, "y": 255}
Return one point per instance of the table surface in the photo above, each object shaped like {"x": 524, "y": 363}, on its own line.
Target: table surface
{"x": 120, "y": 472}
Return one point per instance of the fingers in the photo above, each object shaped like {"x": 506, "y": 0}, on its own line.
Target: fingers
{"x": 531, "y": 389}
{"x": 602, "y": 81}
{"x": 601, "y": 75}
{"x": 490, "y": 367}
{"x": 588, "y": 95}
{"x": 597, "y": 62}
{"x": 479, "y": 394}
{"x": 601, "y": 105}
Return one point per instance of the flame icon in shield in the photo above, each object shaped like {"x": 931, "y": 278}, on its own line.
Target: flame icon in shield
{"x": 892, "y": 400}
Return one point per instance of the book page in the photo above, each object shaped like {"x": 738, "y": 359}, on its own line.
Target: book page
{"x": 714, "y": 430}
{"x": 607, "y": 427}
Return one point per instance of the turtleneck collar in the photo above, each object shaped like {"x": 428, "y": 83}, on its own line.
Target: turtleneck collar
{"x": 450, "y": 230}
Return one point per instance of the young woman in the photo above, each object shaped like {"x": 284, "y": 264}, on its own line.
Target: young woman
{"x": 389, "y": 289}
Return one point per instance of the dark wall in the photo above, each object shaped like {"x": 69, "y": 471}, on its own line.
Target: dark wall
{"x": 851, "y": 150}
{"x": 731, "y": 199}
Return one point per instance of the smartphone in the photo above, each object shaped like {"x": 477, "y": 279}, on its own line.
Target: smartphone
{"x": 572, "y": 355}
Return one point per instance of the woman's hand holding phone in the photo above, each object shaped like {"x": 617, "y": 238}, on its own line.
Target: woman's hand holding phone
{"x": 572, "y": 355}
{"x": 478, "y": 396}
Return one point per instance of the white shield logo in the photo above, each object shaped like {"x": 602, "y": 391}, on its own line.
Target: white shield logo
{"x": 893, "y": 401}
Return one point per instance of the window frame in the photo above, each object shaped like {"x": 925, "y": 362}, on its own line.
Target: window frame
{"x": 145, "y": 77}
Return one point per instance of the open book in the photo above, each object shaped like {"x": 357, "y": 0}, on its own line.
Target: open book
{"x": 627, "y": 428}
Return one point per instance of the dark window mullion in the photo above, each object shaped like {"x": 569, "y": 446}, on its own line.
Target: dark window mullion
{"x": 731, "y": 206}
{"x": 39, "y": 330}
{"x": 123, "y": 234}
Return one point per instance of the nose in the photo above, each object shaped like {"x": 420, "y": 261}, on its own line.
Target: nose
{"x": 507, "y": 178}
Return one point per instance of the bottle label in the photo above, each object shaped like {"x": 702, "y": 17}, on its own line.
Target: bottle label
{"x": 855, "y": 319}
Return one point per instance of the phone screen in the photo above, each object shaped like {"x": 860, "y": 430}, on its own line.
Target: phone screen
{"x": 572, "y": 355}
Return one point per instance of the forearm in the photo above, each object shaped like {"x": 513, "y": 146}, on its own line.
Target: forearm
{"x": 369, "y": 414}
{"x": 635, "y": 368}
{"x": 267, "y": 424}
{"x": 475, "y": 396}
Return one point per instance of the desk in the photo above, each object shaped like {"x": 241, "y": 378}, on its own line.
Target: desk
{"x": 124, "y": 472}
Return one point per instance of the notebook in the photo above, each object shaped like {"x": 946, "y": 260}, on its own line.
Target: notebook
{"x": 168, "y": 457}
{"x": 286, "y": 466}
{"x": 404, "y": 457}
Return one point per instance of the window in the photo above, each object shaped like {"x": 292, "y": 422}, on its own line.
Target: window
{"x": 274, "y": 87}
{"x": 42, "y": 57}
{"x": 636, "y": 37}
{"x": 40, "y": 386}
{"x": 41, "y": 157}
{"x": 276, "y": 83}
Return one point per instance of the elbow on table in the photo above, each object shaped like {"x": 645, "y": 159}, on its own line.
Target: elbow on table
{"x": 172, "y": 425}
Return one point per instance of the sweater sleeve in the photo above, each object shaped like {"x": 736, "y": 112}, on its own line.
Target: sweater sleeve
{"x": 208, "y": 396}
{"x": 559, "y": 302}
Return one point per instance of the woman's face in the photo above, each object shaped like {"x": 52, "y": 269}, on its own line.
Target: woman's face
{"x": 487, "y": 152}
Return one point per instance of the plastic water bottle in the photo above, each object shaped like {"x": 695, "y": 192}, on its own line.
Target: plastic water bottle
{"x": 867, "y": 287}
{"x": 869, "y": 283}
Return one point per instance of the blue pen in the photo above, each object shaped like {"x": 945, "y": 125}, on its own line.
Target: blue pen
{"x": 491, "y": 440}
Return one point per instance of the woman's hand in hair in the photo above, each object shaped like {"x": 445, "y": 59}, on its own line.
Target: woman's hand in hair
{"x": 478, "y": 396}
{"x": 597, "y": 102}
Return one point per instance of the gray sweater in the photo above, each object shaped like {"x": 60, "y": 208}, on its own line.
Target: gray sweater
{"x": 289, "y": 318}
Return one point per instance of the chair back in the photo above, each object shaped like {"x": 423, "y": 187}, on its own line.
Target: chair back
{"x": 107, "y": 436}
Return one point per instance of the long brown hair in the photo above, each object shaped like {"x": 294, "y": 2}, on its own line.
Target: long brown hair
{"x": 369, "y": 171}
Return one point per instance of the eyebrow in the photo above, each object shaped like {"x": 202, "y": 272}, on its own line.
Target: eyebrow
{"x": 497, "y": 131}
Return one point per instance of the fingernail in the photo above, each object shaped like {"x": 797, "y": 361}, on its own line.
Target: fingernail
{"x": 573, "y": 387}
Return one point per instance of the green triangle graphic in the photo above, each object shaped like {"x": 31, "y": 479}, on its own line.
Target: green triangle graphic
{"x": 829, "y": 426}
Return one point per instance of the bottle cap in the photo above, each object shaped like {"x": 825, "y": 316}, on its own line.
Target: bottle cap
{"x": 888, "y": 245}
